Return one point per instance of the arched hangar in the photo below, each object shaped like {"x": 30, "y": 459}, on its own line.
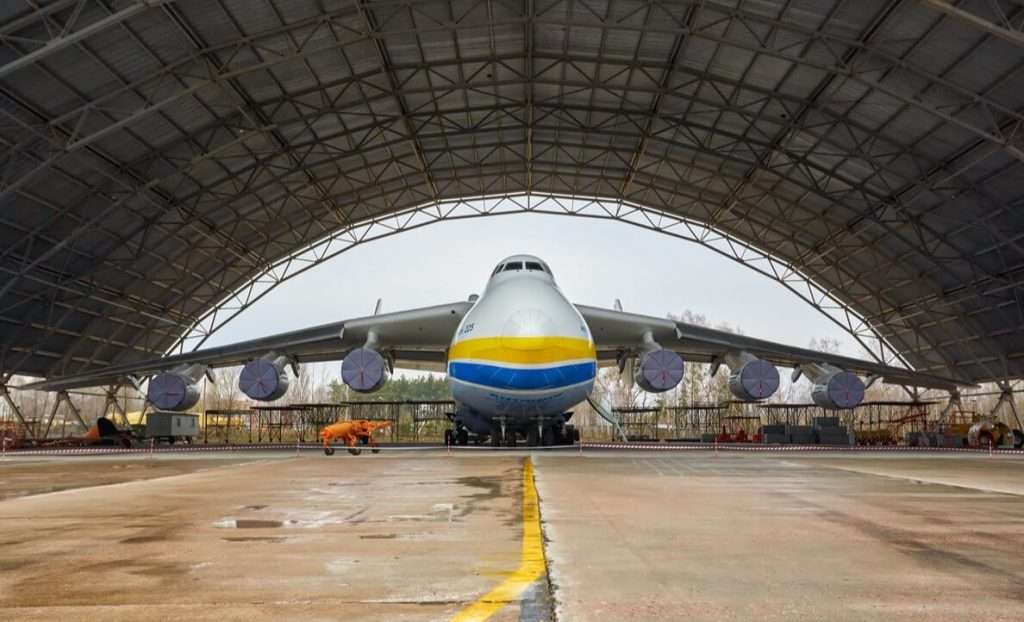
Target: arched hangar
{"x": 161, "y": 157}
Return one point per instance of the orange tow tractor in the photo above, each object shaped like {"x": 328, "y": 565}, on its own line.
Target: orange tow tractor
{"x": 352, "y": 433}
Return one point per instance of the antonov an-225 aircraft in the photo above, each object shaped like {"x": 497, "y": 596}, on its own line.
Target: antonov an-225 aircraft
{"x": 518, "y": 358}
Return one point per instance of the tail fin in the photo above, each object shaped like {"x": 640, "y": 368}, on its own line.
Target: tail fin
{"x": 106, "y": 427}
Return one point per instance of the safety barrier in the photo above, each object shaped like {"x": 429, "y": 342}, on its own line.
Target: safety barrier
{"x": 657, "y": 447}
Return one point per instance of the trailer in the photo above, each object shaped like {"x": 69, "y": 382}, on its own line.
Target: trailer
{"x": 172, "y": 427}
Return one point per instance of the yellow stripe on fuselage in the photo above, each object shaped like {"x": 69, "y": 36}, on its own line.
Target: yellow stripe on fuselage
{"x": 523, "y": 350}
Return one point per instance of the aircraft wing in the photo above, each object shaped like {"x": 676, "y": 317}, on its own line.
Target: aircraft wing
{"x": 416, "y": 339}
{"x": 617, "y": 331}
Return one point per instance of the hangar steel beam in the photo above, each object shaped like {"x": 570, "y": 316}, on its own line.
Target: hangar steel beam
{"x": 387, "y": 69}
{"x": 66, "y": 38}
{"x": 780, "y": 142}
{"x": 1004, "y": 31}
{"x": 678, "y": 45}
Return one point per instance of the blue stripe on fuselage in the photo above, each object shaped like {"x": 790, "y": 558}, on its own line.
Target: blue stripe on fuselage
{"x": 513, "y": 378}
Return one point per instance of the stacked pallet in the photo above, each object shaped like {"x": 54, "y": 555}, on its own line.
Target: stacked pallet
{"x": 774, "y": 435}
{"x": 830, "y": 432}
{"x": 800, "y": 434}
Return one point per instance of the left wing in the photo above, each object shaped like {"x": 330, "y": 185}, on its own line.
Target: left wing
{"x": 616, "y": 332}
{"x": 417, "y": 338}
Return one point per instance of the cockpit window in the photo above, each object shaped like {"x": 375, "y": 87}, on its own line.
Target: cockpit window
{"x": 513, "y": 265}
{"x": 498, "y": 269}
{"x": 533, "y": 265}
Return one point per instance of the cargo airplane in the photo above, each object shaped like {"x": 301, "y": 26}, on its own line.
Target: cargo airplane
{"x": 518, "y": 358}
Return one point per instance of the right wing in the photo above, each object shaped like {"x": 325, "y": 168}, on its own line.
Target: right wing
{"x": 615, "y": 331}
{"x": 417, "y": 338}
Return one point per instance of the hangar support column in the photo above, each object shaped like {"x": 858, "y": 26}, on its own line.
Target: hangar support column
{"x": 1006, "y": 399}
{"x": 112, "y": 403}
{"x": 6, "y": 395}
{"x": 954, "y": 401}
{"x": 63, "y": 397}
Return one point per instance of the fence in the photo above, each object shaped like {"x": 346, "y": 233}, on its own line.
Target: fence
{"x": 699, "y": 421}
{"x": 411, "y": 421}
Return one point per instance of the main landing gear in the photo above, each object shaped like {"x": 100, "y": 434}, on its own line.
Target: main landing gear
{"x": 544, "y": 433}
{"x": 458, "y": 436}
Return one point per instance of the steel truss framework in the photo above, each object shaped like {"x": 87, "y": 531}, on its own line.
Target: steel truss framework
{"x": 661, "y": 222}
{"x": 159, "y": 155}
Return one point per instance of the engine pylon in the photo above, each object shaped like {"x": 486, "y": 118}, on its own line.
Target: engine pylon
{"x": 751, "y": 378}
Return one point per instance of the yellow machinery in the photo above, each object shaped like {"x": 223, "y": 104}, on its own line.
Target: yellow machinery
{"x": 978, "y": 431}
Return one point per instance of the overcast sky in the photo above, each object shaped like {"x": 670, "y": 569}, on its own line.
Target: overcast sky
{"x": 594, "y": 262}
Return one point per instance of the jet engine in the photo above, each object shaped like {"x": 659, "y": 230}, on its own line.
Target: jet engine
{"x": 751, "y": 378}
{"x": 264, "y": 379}
{"x": 364, "y": 370}
{"x": 173, "y": 390}
{"x": 659, "y": 370}
{"x": 837, "y": 389}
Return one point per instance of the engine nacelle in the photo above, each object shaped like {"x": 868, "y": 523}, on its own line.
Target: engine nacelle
{"x": 659, "y": 370}
{"x": 173, "y": 391}
{"x": 838, "y": 390}
{"x": 264, "y": 379}
{"x": 364, "y": 370}
{"x": 755, "y": 379}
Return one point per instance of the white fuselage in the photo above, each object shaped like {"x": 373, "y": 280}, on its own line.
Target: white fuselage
{"x": 523, "y": 350}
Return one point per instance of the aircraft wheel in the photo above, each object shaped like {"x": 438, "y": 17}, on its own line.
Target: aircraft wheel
{"x": 1018, "y": 439}
{"x": 985, "y": 440}
{"x": 495, "y": 435}
{"x": 510, "y": 437}
{"x": 355, "y": 451}
{"x": 328, "y": 451}
{"x": 532, "y": 436}
{"x": 548, "y": 436}
{"x": 462, "y": 437}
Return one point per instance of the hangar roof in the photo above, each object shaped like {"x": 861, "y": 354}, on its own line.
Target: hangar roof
{"x": 157, "y": 154}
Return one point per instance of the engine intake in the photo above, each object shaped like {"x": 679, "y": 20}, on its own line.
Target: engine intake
{"x": 264, "y": 379}
{"x": 660, "y": 370}
{"x": 364, "y": 370}
{"x": 838, "y": 389}
{"x": 754, "y": 379}
{"x": 173, "y": 391}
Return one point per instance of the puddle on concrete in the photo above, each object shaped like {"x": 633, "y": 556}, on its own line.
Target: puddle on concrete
{"x": 254, "y": 507}
{"x": 249, "y": 523}
{"x": 379, "y": 536}
{"x": 143, "y": 539}
{"x": 441, "y": 512}
{"x": 302, "y": 520}
{"x": 270, "y": 539}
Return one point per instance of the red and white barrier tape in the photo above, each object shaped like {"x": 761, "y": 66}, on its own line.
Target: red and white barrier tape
{"x": 662, "y": 447}
{"x": 751, "y": 447}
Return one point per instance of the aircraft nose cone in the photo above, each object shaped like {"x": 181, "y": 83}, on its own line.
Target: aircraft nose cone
{"x": 527, "y": 329}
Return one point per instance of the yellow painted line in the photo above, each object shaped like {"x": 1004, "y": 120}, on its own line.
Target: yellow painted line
{"x": 523, "y": 350}
{"x": 532, "y": 564}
